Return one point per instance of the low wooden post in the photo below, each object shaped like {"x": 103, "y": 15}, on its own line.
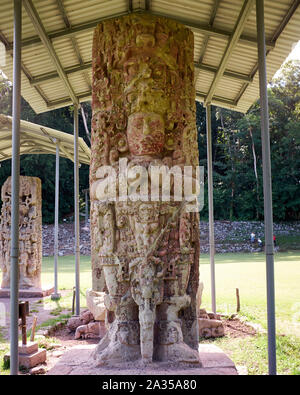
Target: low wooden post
{"x": 238, "y": 305}
{"x": 33, "y": 328}
{"x": 73, "y": 301}
{"x": 23, "y": 312}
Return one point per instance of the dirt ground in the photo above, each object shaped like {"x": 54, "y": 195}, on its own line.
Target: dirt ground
{"x": 236, "y": 328}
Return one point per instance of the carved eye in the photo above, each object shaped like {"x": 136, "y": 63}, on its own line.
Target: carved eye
{"x": 138, "y": 123}
{"x": 131, "y": 97}
{"x": 154, "y": 125}
{"x": 132, "y": 69}
{"x": 157, "y": 74}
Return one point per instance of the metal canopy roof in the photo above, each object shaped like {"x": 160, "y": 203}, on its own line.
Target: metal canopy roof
{"x": 37, "y": 139}
{"x": 57, "y": 45}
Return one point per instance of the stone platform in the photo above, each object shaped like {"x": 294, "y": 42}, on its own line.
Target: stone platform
{"x": 29, "y": 355}
{"x": 78, "y": 361}
{"x": 29, "y": 293}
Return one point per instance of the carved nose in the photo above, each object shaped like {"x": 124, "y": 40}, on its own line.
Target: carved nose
{"x": 146, "y": 129}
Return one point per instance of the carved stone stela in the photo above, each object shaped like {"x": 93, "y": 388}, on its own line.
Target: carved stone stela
{"x": 30, "y": 233}
{"x": 145, "y": 254}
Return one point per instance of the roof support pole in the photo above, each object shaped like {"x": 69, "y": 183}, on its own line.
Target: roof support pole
{"x": 268, "y": 211}
{"x": 211, "y": 208}
{"x": 86, "y": 207}
{"x": 76, "y": 211}
{"x": 15, "y": 186}
{"x": 56, "y": 295}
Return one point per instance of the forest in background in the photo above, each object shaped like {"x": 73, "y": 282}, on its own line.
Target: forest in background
{"x": 237, "y": 158}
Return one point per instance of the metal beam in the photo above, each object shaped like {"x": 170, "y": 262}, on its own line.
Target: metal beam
{"x": 211, "y": 22}
{"x": 68, "y": 32}
{"x": 84, "y": 96}
{"x": 36, "y": 21}
{"x": 285, "y": 20}
{"x": 89, "y": 26}
{"x": 227, "y": 73}
{"x": 275, "y": 36}
{"x": 238, "y": 29}
{"x": 65, "y": 151}
{"x": 9, "y": 50}
{"x": 213, "y": 32}
{"x": 200, "y": 96}
{"x": 40, "y": 79}
{"x": 46, "y": 77}
{"x": 267, "y": 182}
{"x": 221, "y": 101}
{"x": 73, "y": 39}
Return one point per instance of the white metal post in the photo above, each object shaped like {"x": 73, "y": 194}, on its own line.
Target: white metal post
{"x": 86, "y": 207}
{"x": 211, "y": 208}
{"x": 267, "y": 181}
{"x": 76, "y": 211}
{"x": 56, "y": 295}
{"x": 15, "y": 186}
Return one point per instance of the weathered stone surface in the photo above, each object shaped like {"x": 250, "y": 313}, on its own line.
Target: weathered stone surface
{"x": 94, "y": 329}
{"x": 60, "y": 370}
{"x": 210, "y": 328}
{"x": 38, "y": 370}
{"x": 145, "y": 253}
{"x": 77, "y": 361}
{"x": 209, "y": 324}
{"x": 85, "y": 326}
{"x": 34, "y": 359}
{"x": 199, "y": 295}
{"x": 28, "y": 348}
{"x": 213, "y": 357}
{"x": 29, "y": 293}
{"x": 30, "y": 236}
{"x": 95, "y": 303}
{"x": 74, "y": 322}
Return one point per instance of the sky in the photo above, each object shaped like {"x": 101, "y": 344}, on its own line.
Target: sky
{"x": 294, "y": 55}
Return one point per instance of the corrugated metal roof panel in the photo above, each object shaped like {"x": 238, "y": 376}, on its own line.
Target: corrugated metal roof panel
{"x": 214, "y": 51}
{"x": 227, "y": 14}
{"x": 223, "y": 91}
{"x": 195, "y": 11}
{"x": 71, "y": 31}
{"x": 36, "y": 138}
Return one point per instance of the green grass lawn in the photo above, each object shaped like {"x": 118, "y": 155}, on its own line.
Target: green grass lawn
{"x": 244, "y": 271}
{"x": 248, "y": 273}
{"x": 66, "y": 272}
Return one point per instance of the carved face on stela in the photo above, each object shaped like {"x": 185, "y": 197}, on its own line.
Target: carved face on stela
{"x": 143, "y": 88}
{"x": 149, "y": 72}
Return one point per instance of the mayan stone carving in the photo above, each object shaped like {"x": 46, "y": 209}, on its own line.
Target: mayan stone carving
{"x": 30, "y": 235}
{"x": 145, "y": 252}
